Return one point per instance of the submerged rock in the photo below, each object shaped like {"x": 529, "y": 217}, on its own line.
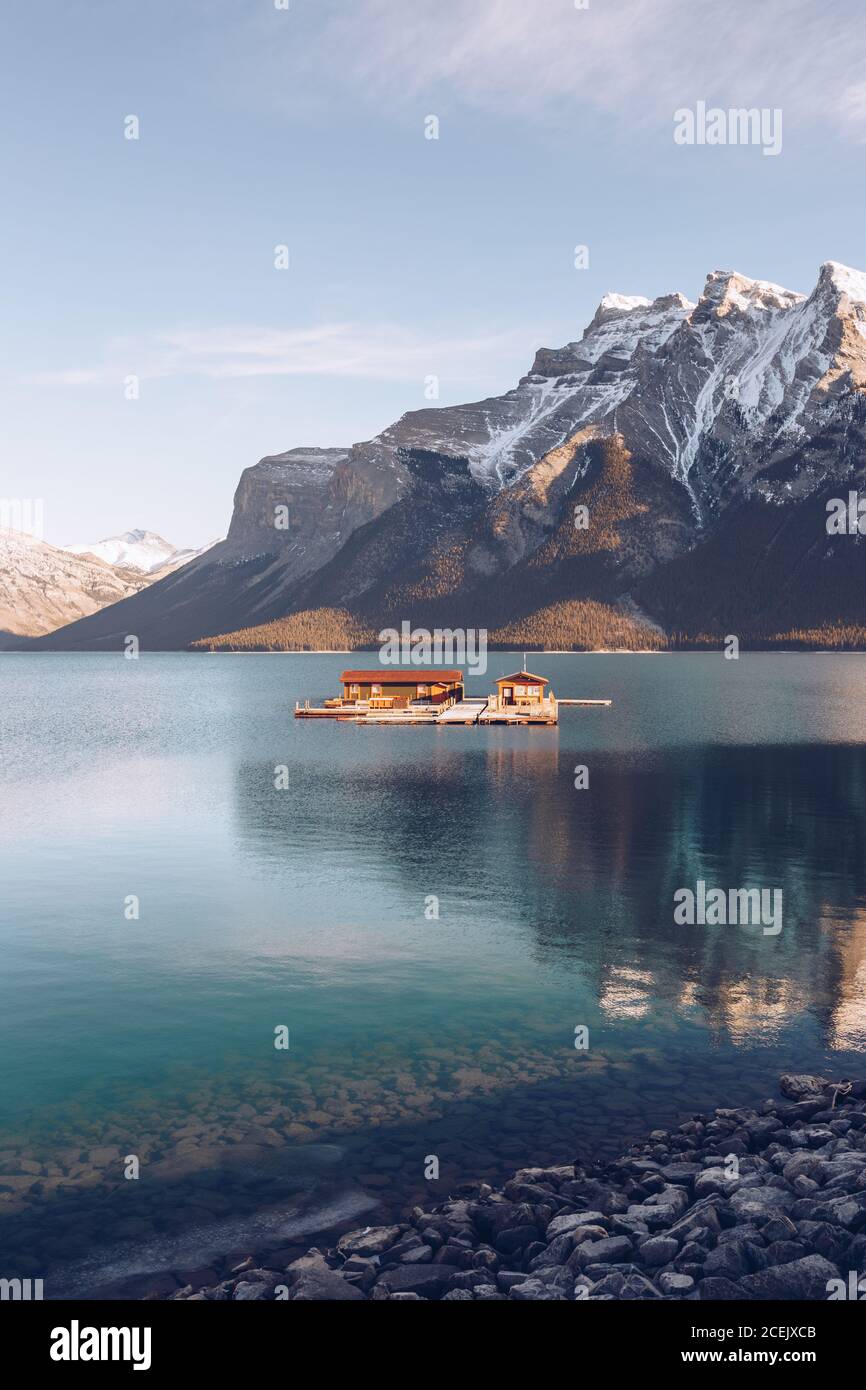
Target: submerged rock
{"x": 372, "y": 1240}
{"x": 737, "y": 1205}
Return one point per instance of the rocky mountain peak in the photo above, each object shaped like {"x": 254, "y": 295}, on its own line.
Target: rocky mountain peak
{"x": 638, "y": 311}
{"x": 727, "y": 292}
{"x": 613, "y": 305}
{"x": 841, "y": 282}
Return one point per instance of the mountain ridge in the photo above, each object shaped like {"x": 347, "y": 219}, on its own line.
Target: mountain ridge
{"x": 691, "y": 431}
{"x": 44, "y": 587}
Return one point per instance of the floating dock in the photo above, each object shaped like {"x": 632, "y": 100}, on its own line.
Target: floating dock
{"x": 463, "y": 712}
{"x": 437, "y": 697}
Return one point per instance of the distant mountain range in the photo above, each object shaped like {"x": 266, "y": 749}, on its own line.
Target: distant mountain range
{"x": 139, "y": 550}
{"x": 44, "y": 587}
{"x": 664, "y": 479}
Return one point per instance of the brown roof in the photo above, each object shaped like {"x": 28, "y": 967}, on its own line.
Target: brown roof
{"x": 395, "y": 676}
{"x": 520, "y": 678}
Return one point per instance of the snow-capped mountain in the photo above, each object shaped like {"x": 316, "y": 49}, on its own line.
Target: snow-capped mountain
{"x": 750, "y": 367}
{"x": 43, "y": 587}
{"x": 138, "y": 550}
{"x": 704, "y": 438}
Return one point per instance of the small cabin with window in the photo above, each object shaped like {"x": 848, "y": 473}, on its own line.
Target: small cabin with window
{"x": 397, "y": 689}
{"x": 521, "y": 688}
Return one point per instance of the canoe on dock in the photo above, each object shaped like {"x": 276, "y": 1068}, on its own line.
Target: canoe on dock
{"x": 584, "y": 702}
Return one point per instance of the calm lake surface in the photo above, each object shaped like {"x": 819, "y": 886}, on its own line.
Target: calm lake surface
{"x": 304, "y": 907}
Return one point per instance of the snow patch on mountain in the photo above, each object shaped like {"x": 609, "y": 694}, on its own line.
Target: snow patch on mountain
{"x": 144, "y": 551}
{"x": 612, "y": 304}
{"x": 846, "y": 280}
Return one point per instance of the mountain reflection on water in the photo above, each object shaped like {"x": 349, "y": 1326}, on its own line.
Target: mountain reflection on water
{"x": 308, "y": 908}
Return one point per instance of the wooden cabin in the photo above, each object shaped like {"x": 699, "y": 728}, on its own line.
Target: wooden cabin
{"x": 397, "y": 689}
{"x": 521, "y": 688}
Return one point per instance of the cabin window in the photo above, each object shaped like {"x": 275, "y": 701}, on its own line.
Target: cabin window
{"x": 375, "y": 690}
{"x": 354, "y": 690}
{"x": 423, "y": 690}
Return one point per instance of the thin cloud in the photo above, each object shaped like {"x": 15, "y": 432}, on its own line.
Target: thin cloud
{"x": 635, "y": 61}
{"x": 852, "y": 109}
{"x": 384, "y": 352}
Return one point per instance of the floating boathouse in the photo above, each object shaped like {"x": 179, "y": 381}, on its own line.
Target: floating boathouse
{"x": 402, "y": 696}
{"x": 398, "y": 689}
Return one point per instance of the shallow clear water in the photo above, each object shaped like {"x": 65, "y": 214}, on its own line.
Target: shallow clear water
{"x": 305, "y": 906}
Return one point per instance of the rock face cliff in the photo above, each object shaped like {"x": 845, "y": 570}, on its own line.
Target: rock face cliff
{"x": 292, "y": 513}
{"x": 674, "y": 462}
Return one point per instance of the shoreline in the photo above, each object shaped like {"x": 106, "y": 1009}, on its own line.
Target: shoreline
{"x": 737, "y": 1204}
{"x": 499, "y": 651}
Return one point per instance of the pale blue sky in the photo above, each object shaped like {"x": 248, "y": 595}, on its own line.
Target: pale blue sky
{"x": 261, "y": 126}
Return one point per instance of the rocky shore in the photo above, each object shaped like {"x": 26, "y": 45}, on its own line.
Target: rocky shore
{"x": 766, "y": 1203}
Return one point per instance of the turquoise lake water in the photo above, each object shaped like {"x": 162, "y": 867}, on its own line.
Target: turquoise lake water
{"x": 304, "y": 907}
